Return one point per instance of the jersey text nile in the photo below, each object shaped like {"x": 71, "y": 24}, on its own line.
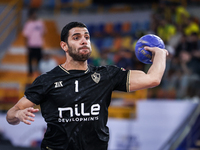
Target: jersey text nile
{"x": 94, "y": 110}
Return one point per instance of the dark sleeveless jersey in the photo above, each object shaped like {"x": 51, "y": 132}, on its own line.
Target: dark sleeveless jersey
{"x": 75, "y": 105}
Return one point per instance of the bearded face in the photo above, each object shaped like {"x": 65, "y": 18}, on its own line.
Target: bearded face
{"x": 80, "y": 54}
{"x": 78, "y": 44}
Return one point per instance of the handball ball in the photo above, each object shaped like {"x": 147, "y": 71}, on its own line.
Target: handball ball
{"x": 150, "y": 40}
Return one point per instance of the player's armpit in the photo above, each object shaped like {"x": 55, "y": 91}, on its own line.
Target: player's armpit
{"x": 140, "y": 80}
{"x": 22, "y": 111}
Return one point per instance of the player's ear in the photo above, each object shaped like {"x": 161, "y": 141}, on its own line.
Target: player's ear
{"x": 64, "y": 46}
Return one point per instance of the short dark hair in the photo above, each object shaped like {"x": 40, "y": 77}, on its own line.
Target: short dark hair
{"x": 67, "y": 27}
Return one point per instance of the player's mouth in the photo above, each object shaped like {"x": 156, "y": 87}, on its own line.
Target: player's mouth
{"x": 84, "y": 49}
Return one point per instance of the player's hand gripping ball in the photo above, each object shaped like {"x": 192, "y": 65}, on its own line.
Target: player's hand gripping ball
{"x": 150, "y": 40}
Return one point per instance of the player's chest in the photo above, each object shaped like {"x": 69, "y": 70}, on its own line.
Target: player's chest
{"x": 77, "y": 89}
{"x": 75, "y": 84}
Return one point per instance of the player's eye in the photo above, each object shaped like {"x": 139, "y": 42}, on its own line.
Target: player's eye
{"x": 76, "y": 38}
{"x": 87, "y": 37}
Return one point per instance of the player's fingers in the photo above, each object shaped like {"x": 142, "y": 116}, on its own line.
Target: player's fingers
{"x": 27, "y": 115}
{"x": 35, "y": 110}
{"x": 148, "y": 48}
{"x": 31, "y": 109}
{"x": 26, "y": 119}
{"x": 30, "y": 114}
{"x": 29, "y": 118}
{"x": 152, "y": 49}
{"x": 26, "y": 122}
{"x": 167, "y": 53}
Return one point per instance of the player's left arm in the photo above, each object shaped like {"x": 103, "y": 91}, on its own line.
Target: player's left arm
{"x": 141, "y": 80}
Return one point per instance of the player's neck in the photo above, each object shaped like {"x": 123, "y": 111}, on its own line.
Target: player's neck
{"x": 75, "y": 65}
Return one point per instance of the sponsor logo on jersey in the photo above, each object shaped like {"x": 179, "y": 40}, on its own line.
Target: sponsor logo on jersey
{"x": 96, "y": 77}
{"x": 58, "y": 84}
{"x": 78, "y": 114}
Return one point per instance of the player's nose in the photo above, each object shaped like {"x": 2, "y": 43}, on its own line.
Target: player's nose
{"x": 83, "y": 41}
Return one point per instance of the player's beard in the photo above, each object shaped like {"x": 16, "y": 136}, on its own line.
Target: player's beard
{"x": 78, "y": 56}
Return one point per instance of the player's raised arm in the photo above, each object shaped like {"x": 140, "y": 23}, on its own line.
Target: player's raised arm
{"x": 141, "y": 80}
{"x": 22, "y": 111}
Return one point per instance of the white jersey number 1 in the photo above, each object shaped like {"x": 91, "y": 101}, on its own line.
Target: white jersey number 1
{"x": 76, "y": 85}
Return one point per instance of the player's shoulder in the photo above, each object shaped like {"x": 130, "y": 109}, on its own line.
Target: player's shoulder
{"x": 102, "y": 68}
{"x": 108, "y": 70}
{"x": 51, "y": 74}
